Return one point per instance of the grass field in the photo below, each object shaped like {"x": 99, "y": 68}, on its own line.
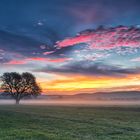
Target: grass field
{"x": 69, "y": 123}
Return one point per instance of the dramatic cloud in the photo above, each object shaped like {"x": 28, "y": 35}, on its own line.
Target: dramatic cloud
{"x": 83, "y": 68}
{"x": 105, "y": 38}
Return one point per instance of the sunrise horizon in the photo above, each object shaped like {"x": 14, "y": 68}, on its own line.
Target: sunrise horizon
{"x": 72, "y": 47}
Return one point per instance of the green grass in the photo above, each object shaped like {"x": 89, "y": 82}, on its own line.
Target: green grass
{"x": 69, "y": 123}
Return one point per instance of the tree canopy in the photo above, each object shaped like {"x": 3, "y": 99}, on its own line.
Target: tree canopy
{"x": 19, "y": 86}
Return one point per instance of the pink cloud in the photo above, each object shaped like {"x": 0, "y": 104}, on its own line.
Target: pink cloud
{"x": 40, "y": 59}
{"x": 50, "y": 52}
{"x": 36, "y": 59}
{"x": 108, "y": 38}
{"x": 16, "y": 62}
{"x": 48, "y": 59}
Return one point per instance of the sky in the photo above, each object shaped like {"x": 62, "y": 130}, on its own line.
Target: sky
{"x": 72, "y": 46}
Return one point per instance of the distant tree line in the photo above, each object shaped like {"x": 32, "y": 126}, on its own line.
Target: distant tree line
{"x": 19, "y": 86}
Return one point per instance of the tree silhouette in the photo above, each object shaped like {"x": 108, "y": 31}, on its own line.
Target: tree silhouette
{"x": 19, "y": 86}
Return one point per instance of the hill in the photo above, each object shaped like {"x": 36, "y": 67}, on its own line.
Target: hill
{"x": 119, "y": 95}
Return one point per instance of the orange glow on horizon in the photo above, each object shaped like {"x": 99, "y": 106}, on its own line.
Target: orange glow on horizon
{"x": 78, "y": 84}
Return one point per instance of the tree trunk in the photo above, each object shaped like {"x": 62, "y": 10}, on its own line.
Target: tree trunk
{"x": 17, "y": 102}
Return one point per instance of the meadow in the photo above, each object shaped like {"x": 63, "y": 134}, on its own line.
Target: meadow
{"x": 32, "y": 122}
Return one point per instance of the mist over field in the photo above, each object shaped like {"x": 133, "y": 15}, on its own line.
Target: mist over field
{"x": 76, "y": 102}
{"x": 83, "y": 99}
{"x": 82, "y": 102}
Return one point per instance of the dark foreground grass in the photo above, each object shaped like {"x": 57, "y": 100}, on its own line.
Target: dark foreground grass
{"x": 69, "y": 123}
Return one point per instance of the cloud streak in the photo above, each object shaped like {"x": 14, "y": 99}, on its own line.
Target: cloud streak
{"x": 39, "y": 59}
{"x": 105, "y": 38}
{"x": 92, "y": 69}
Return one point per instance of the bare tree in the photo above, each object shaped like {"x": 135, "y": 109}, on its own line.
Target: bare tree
{"x": 19, "y": 86}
